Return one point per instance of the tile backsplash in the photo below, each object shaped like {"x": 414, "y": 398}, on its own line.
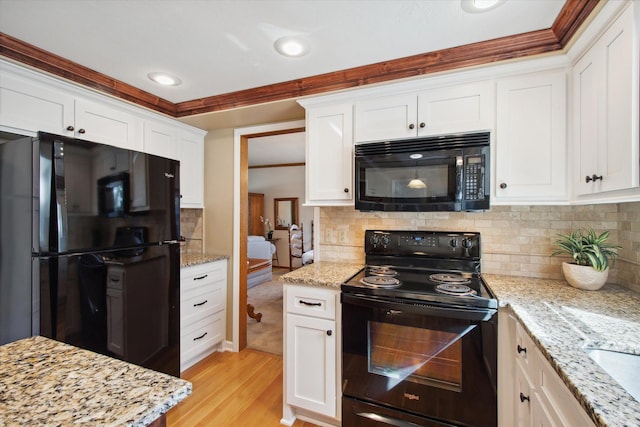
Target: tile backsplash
{"x": 191, "y": 228}
{"x": 516, "y": 240}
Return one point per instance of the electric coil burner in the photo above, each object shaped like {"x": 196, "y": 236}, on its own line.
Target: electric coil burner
{"x": 419, "y": 336}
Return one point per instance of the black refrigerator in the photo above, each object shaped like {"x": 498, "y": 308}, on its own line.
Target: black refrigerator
{"x": 89, "y": 250}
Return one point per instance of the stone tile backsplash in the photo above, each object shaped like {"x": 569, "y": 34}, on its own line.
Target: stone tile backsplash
{"x": 191, "y": 228}
{"x": 516, "y": 240}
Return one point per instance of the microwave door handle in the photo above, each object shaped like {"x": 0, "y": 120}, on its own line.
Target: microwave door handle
{"x": 459, "y": 182}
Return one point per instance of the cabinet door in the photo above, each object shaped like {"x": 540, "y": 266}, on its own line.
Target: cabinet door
{"x": 107, "y": 125}
{"x": 531, "y": 146}
{"x": 618, "y": 156}
{"x": 311, "y": 364}
{"x": 455, "y": 109}
{"x": 330, "y": 155}
{"x": 191, "y": 156}
{"x": 160, "y": 139}
{"x": 391, "y": 117}
{"x": 606, "y": 100}
{"x": 30, "y": 106}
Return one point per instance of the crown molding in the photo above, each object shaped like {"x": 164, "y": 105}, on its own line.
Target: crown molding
{"x": 573, "y": 14}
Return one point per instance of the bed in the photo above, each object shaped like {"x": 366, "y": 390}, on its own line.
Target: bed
{"x": 259, "y": 255}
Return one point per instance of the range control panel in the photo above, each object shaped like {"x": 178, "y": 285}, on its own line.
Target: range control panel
{"x": 423, "y": 243}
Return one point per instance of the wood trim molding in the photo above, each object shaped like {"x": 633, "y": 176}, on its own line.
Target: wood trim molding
{"x": 279, "y": 165}
{"x": 573, "y": 14}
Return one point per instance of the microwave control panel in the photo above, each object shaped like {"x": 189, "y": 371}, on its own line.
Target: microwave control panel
{"x": 474, "y": 177}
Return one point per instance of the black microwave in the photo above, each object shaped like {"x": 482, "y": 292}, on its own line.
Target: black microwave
{"x": 440, "y": 173}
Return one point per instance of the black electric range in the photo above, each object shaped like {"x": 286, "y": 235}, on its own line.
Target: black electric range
{"x": 428, "y": 266}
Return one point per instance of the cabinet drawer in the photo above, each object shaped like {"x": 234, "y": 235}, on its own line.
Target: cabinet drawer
{"x": 200, "y": 275}
{"x": 308, "y": 301}
{"x": 203, "y": 301}
{"x": 201, "y": 336}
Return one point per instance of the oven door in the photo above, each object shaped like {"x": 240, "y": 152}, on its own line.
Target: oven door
{"x": 426, "y": 360}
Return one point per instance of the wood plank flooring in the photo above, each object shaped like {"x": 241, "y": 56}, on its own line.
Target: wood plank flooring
{"x": 233, "y": 389}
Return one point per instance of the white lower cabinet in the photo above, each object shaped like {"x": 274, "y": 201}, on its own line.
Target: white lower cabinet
{"x": 530, "y": 392}
{"x": 312, "y": 355}
{"x": 203, "y": 296}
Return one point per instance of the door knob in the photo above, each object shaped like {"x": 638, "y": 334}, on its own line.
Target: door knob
{"x": 81, "y": 131}
{"x": 70, "y": 128}
{"x": 503, "y": 185}
{"x": 422, "y": 124}
{"x": 329, "y": 332}
{"x": 412, "y": 126}
{"x": 523, "y": 397}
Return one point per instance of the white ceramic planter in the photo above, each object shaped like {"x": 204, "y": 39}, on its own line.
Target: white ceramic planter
{"x": 584, "y": 276}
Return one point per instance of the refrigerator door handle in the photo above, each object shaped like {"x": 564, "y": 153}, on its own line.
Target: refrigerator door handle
{"x": 59, "y": 219}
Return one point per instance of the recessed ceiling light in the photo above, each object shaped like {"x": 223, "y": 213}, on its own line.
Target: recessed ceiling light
{"x": 164, "y": 79}
{"x": 291, "y": 46}
{"x": 476, "y": 6}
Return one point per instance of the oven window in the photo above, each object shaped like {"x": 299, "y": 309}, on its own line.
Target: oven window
{"x": 419, "y": 355}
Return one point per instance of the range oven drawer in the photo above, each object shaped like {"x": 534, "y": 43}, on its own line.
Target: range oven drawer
{"x": 362, "y": 414}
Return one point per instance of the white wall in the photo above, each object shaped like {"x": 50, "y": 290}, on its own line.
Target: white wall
{"x": 282, "y": 182}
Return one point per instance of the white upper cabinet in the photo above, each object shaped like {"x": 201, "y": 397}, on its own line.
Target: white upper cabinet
{"x": 27, "y": 105}
{"x": 531, "y": 143}
{"x": 451, "y": 109}
{"x": 161, "y": 139}
{"x": 31, "y": 102}
{"x": 605, "y": 84}
{"x": 329, "y": 154}
{"x": 191, "y": 156}
{"x": 107, "y": 125}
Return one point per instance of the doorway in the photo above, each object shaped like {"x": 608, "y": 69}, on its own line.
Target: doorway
{"x": 240, "y": 226}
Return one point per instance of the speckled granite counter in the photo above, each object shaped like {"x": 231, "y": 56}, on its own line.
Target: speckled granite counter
{"x": 562, "y": 320}
{"x": 331, "y": 274}
{"x": 189, "y": 260}
{"x": 46, "y": 382}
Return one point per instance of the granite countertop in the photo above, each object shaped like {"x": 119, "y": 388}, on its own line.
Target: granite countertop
{"x": 189, "y": 260}
{"x": 328, "y": 274}
{"x": 46, "y": 382}
{"x": 562, "y": 320}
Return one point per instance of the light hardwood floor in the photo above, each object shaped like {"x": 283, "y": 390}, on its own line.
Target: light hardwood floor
{"x": 233, "y": 389}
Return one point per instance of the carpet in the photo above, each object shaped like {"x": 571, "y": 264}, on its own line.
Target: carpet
{"x": 267, "y": 299}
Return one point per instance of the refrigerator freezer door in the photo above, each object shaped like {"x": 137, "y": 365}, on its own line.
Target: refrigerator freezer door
{"x": 86, "y": 192}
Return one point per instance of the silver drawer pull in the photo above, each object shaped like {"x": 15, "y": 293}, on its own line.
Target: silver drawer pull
{"x": 200, "y": 337}
{"x": 200, "y": 303}
{"x": 313, "y": 304}
{"x": 201, "y": 277}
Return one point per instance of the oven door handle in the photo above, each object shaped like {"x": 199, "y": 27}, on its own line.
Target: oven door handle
{"x": 425, "y": 308}
{"x": 393, "y": 421}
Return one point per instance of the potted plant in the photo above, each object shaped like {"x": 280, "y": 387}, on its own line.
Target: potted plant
{"x": 591, "y": 255}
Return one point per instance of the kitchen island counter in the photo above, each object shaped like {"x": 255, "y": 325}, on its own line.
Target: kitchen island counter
{"x": 562, "y": 321}
{"x": 46, "y": 382}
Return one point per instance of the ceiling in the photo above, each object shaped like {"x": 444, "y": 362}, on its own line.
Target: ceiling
{"x": 223, "y": 46}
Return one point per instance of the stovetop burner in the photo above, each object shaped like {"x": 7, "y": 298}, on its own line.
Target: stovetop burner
{"x": 381, "y": 270}
{"x": 449, "y": 278}
{"x": 385, "y": 282}
{"x": 455, "y": 289}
